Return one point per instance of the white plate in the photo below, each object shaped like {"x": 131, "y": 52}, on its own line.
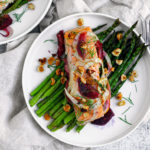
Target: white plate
{"x": 29, "y": 21}
{"x": 91, "y": 135}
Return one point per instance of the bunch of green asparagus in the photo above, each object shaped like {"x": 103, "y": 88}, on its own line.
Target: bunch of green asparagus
{"x": 53, "y": 98}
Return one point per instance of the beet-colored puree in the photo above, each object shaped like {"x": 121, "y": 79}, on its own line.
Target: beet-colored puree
{"x": 104, "y": 120}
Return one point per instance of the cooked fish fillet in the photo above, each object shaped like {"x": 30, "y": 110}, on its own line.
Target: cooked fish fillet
{"x": 84, "y": 75}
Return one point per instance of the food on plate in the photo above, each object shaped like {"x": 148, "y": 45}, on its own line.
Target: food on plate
{"x": 88, "y": 70}
{"x": 8, "y": 6}
{"x": 84, "y": 59}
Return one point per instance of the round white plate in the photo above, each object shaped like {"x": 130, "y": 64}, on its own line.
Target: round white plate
{"x": 29, "y": 20}
{"x": 91, "y": 135}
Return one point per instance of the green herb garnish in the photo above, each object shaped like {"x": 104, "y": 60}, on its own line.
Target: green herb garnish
{"x": 50, "y": 40}
{"x": 129, "y": 99}
{"x": 19, "y": 16}
{"x": 125, "y": 120}
{"x": 126, "y": 110}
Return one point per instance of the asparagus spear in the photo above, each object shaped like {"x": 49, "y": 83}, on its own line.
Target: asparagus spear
{"x": 58, "y": 127}
{"x": 99, "y": 27}
{"x": 114, "y": 79}
{"x": 58, "y": 112}
{"x": 71, "y": 125}
{"x": 13, "y": 7}
{"x": 116, "y": 90}
{"x": 79, "y": 128}
{"x": 52, "y": 89}
{"x": 104, "y": 34}
{"x": 70, "y": 117}
{"x": 58, "y": 120}
{"x": 42, "y": 102}
{"x": 49, "y": 102}
{"x": 46, "y": 80}
{"x": 51, "y": 106}
{"x": 58, "y": 105}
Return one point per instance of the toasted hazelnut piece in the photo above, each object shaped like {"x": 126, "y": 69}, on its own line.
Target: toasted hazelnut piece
{"x": 31, "y": 6}
{"x": 63, "y": 80}
{"x": 47, "y": 116}
{"x": 112, "y": 69}
{"x": 85, "y": 107}
{"x": 71, "y": 35}
{"x": 81, "y": 69}
{"x": 123, "y": 77}
{"x": 119, "y": 96}
{"x": 119, "y": 36}
{"x": 42, "y": 61}
{"x": 57, "y": 62}
{"x": 58, "y": 72}
{"x": 119, "y": 62}
{"x": 116, "y": 52}
{"x": 80, "y": 22}
{"x": 83, "y": 45}
{"x": 62, "y": 73}
{"x": 105, "y": 71}
{"x": 67, "y": 108}
{"x": 83, "y": 80}
{"x": 78, "y": 98}
{"x": 51, "y": 60}
{"x": 40, "y": 68}
{"x": 86, "y": 114}
{"x": 121, "y": 103}
{"x": 131, "y": 78}
{"x": 134, "y": 73}
{"x": 84, "y": 100}
{"x": 52, "y": 81}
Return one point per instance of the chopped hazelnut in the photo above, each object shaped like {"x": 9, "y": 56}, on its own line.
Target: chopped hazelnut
{"x": 134, "y": 73}
{"x": 42, "y": 61}
{"x": 116, "y": 52}
{"x": 112, "y": 69}
{"x": 62, "y": 73}
{"x": 119, "y": 96}
{"x": 123, "y": 77}
{"x": 63, "y": 80}
{"x": 47, "y": 116}
{"x": 40, "y": 68}
{"x": 121, "y": 103}
{"x": 52, "y": 81}
{"x": 83, "y": 100}
{"x": 80, "y": 22}
{"x": 85, "y": 107}
{"x": 51, "y": 60}
{"x": 131, "y": 78}
{"x": 71, "y": 35}
{"x": 119, "y": 62}
{"x": 31, "y": 6}
{"x": 105, "y": 70}
{"x": 58, "y": 72}
{"x": 83, "y": 80}
{"x": 119, "y": 36}
{"x": 57, "y": 62}
{"x": 67, "y": 108}
{"x": 81, "y": 69}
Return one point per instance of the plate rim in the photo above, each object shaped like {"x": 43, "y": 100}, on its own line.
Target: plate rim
{"x": 31, "y": 28}
{"x": 23, "y": 72}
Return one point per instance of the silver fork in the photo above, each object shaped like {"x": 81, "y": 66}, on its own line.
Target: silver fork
{"x": 146, "y": 29}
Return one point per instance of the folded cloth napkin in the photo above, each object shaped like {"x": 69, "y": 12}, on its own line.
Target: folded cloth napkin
{"x": 18, "y": 130}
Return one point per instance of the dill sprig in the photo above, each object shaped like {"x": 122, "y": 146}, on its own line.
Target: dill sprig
{"x": 50, "y": 40}
{"x": 126, "y": 110}
{"x": 125, "y": 120}
{"x": 129, "y": 99}
{"x": 19, "y": 16}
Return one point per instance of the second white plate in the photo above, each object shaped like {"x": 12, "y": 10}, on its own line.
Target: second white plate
{"x": 29, "y": 20}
